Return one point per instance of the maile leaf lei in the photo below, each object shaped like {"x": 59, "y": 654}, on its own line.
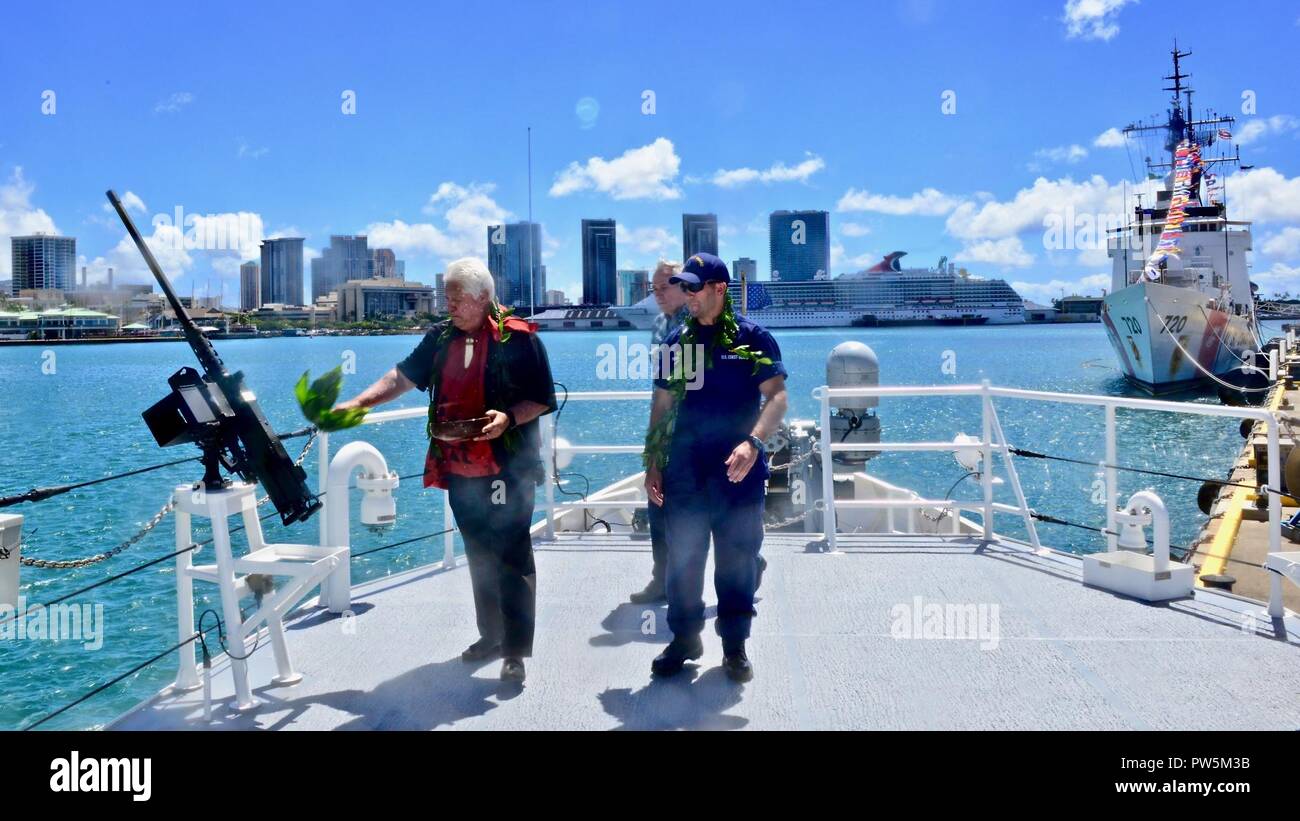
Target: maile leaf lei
{"x": 659, "y": 437}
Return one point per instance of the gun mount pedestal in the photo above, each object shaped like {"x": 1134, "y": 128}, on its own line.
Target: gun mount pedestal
{"x": 304, "y": 567}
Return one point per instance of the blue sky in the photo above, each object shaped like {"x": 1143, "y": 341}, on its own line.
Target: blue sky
{"x": 834, "y": 106}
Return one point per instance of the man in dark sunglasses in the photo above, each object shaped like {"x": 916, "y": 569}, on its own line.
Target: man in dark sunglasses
{"x": 714, "y": 481}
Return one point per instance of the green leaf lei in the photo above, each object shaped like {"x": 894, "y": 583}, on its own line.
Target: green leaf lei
{"x": 317, "y": 402}
{"x": 659, "y": 438}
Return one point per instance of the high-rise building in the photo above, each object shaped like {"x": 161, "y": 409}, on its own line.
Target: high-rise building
{"x": 599, "y": 262}
{"x": 347, "y": 258}
{"x": 383, "y": 263}
{"x": 699, "y": 235}
{"x": 43, "y": 261}
{"x": 282, "y": 271}
{"x": 439, "y": 292}
{"x": 250, "y": 286}
{"x": 556, "y": 297}
{"x": 633, "y": 286}
{"x": 510, "y": 249}
{"x": 800, "y": 245}
{"x": 745, "y": 266}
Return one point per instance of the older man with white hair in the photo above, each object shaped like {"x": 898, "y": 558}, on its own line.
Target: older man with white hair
{"x": 490, "y": 370}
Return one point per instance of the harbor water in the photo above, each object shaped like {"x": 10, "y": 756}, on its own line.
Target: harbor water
{"x": 72, "y": 413}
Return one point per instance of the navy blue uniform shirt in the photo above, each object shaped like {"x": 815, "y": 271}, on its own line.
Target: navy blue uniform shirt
{"x": 720, "y": 408}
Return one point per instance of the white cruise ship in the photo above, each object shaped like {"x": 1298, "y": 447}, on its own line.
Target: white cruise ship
{"x": 885, "y": 294}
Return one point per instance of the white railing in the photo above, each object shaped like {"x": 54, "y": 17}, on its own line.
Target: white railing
{"x": 993, "y": 439}
{"x": 548, "y": 451}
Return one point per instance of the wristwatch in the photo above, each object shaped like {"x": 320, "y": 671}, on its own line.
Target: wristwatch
{"x": 510, "y": 415}
{"x": 756, "y": 442}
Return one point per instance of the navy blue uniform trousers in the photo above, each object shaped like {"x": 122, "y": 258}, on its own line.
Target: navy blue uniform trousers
{"x": 730, "y": 514}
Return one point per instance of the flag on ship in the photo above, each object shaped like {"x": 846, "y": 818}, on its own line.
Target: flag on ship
{"x": 756, "y": 296}
{"x": 1187, "y": 163}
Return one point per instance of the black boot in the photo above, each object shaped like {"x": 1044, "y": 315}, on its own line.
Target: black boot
{"x": 481, "y": 650}
{"x": 512, "y": 669}
{"x": 653, "y": 592}
{"x": 676, "y": 654}
{"x": 736, "y": 663}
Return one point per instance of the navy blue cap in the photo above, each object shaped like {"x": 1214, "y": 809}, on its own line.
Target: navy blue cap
{"x": 702, "y": 268}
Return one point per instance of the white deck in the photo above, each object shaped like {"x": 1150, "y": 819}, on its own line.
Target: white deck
{"x": 1069, "y": 657}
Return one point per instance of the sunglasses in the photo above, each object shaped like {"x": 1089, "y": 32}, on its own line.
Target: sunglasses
{"x": 694, "y": 288}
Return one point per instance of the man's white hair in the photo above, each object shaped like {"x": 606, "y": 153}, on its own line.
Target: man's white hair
{"x": 669, "y": 267}
{"x": 472, "y": 275}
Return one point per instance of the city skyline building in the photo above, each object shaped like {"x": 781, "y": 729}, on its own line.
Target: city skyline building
{"x": 510, "y": 247}
{"x": 347, "y": 258}
{"x": 43, "y": 261}
{"x": 599, "y": 262}
{"x": 699, "y": 235}
{"x": 281, "y": 271}
{"x": 745, "y": 266}
{"x": 633, "y": 285}
{"x": 250, "y": 286}
{"x": 383, "y": 263}
{"x": 799, "y": 245}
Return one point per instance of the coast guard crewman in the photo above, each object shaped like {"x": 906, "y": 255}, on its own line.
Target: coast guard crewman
{"x": 671, "y": 300}
{"x": 714, "y": 479}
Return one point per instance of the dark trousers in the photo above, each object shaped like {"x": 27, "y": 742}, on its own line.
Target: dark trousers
{"x": 493, "y": 514}
{"x": 736, "y": 526}
{"x": 658, "y": 540}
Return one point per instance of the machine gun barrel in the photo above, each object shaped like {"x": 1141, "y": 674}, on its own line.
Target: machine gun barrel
{"x": 207, "y": 355}
{"x": 255, "y": 452}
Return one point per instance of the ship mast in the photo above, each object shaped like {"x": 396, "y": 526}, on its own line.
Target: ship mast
{"x": 1180, "y": 126}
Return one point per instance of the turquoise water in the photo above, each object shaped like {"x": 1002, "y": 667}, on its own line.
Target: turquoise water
{"x": 76, "y": 416}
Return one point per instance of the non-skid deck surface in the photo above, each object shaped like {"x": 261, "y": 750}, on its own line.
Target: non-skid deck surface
{"x": 835, "y": 646}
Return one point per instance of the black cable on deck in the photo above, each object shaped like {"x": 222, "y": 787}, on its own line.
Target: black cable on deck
{"x": 1031, "y": 454}
{"x": 40, "y": 494}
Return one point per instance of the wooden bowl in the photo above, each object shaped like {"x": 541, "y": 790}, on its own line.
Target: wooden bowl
{"x": 460, "y": 429}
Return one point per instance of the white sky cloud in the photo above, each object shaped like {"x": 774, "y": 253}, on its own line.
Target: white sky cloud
{"x": 840, "y": 259}
{"x": 1277, "y": 279}
{"x": 248, "y": 151}
{"x": 1026, "y": 210}
{"x": 1258, "y": 128}
{"x": 1006, "y": 252}
{"x": 1093, "y": 19}
{"x": 928, "y": 202}
{"x": 1062, "y": 153}
{"x": 655, "y": 241}
{"x": 466, "y": 211}
{"x": 1285, "y": 243}
{"x": 777, "y": 172}
{"x": 1263, "y": 194}
{"x": 1044, "y": 292}
{"x": 649, "y": 172}
{"x": 18, "y": 217}
{"x": 854, "y": 229}
{"x": 131, "y": 202}
{"x": 1110, "y": 138}
{"x": 175, "y": 102}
